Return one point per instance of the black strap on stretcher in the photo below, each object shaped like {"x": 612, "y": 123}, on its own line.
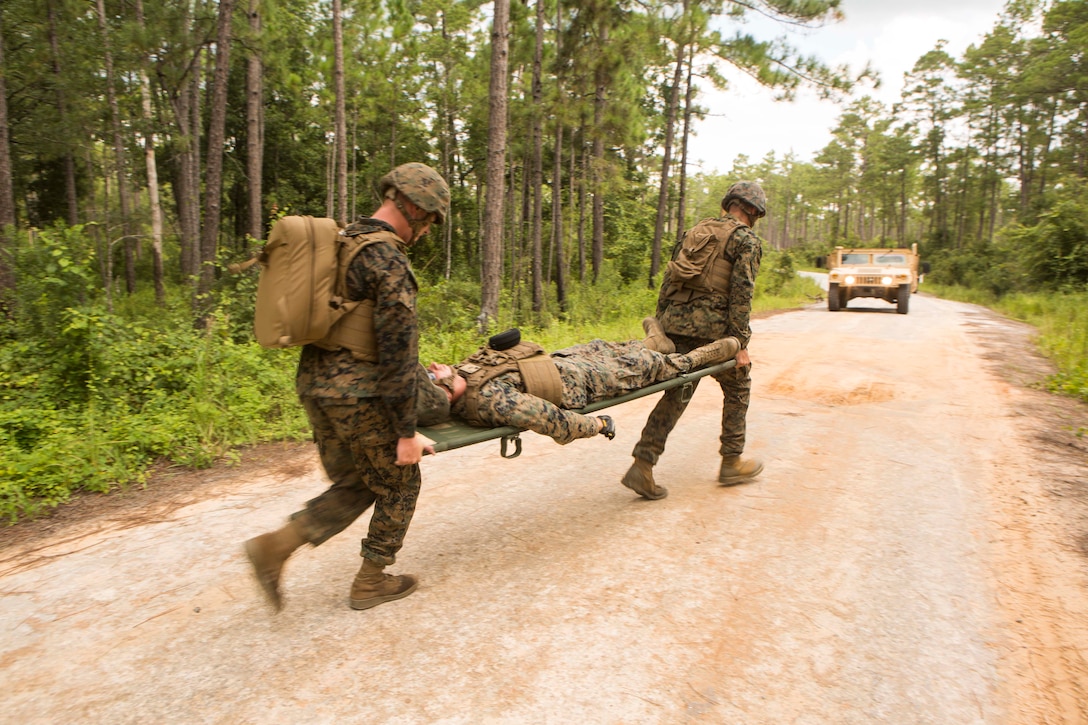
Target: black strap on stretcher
{"x": 458, "y": 434}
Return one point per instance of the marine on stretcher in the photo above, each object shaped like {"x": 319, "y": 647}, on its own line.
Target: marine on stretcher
{"x": 509, "y": 386}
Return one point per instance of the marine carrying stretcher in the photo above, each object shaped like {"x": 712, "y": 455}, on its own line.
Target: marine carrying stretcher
{"x": 456, "y": 433}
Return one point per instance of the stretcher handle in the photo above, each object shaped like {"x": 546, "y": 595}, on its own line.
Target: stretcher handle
{"x": 516, "y": 440}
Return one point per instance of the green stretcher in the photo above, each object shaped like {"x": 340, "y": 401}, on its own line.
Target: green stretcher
{"x": 458, "y": 434}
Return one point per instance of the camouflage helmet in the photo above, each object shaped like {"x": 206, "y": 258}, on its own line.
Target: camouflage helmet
{"x": 424, "y": 186}
{"x": 750, "y": 193}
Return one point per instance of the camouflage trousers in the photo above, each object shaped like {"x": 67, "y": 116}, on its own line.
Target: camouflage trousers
{"x": 358, "y": 450}
{"x": 736, "y": 387}
{"x": 591, "y": 372}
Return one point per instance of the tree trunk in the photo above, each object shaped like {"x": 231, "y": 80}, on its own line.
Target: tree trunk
{"x": 7, "y": 189}
{"x": 491, "y": 252}
{"x": 213, "y": 179}
{"x": 70, "y": 193}
{"x": 184, "y": 102}
{"x": 557, "y": 221}
{"x": 184, "y": 198}
{"x": 600, "y": 100}
{"x": 572, "y": 190}
{"x": 330, "y": 179}
{"x": 152, "y": 174}
{"x": 511, "y": 248}
{"x": 192, "y": 174}
{"x": 1048, "y": 139}
{"x": 341, "y": 133}
{"x": 666, "y": 162}
{"x": 449, "y": 137}
{"x": 118, "y": 152}
{"x": 255, "y": 125}
{"x": 518, "y": 203}
{"x": 583, "y": 183}
{"x": 538, "y": 163}
{"x": 352, "y": 213}
{"x": 556, "y": 245}
{"x": 682, "y": 201}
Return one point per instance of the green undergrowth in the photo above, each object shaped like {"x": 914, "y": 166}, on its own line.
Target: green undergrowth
{"x": 91, "y": 398}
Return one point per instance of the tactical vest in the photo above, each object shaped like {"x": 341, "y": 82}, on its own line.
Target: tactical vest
{"x": 701, "y": 266}
{"x": 355, "y": 328}
{"x": 538, "y": 373}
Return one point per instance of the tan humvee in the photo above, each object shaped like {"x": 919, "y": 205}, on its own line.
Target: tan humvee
{"x": 890, "y": 274}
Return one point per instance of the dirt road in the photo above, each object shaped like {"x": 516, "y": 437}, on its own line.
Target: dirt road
{"x": 915, "y": 552}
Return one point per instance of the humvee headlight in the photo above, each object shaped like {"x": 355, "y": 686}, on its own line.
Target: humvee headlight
{"x": 849, "y": 279}
{"x": 885, "y": 280}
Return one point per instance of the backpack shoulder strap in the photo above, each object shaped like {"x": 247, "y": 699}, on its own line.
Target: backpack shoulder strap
{"x": 350, "y": 246}
{"x": 353, "y": 320}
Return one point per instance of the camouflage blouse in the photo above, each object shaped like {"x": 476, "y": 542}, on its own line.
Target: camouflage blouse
{"x": 380, "y": 272}
{"x": 715, "y": 316}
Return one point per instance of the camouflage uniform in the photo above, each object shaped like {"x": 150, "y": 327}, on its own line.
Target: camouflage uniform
{"x": 698, "y": 322}
{"x": 358, "y": 409}
{"x": 595, "y": 371}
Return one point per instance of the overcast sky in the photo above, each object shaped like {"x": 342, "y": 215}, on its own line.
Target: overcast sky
{"x": 889, "y": 34}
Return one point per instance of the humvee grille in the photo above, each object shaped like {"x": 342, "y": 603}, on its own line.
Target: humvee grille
{"x": 867, "y": 279}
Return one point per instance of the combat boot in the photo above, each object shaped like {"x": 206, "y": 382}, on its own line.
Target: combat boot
{"x": 372, "y": 586}
{"x": 738, "y": 470}
{"x": 716, "y": 352}
{"x": 640, "y": 479}
{"x": 656, "y": 339}
{"x": 268, "y": 553}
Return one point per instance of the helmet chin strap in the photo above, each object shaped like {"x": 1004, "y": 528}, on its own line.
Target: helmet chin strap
{"x": 416, "y": 224}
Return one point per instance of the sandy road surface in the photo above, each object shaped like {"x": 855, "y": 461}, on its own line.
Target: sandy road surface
{"x": 913, "y": 553}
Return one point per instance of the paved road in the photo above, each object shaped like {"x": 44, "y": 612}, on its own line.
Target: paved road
{"x": 899, "y": 561}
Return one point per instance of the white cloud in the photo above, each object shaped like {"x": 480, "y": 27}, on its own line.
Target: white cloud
{"x": 745, "y": 118}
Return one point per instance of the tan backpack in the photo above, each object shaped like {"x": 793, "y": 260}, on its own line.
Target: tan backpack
{"x": 700, "y": 266}
{"x": 298, "y": 276}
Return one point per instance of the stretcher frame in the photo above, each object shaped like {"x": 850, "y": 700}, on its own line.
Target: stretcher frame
{"x": 458, "y": 434}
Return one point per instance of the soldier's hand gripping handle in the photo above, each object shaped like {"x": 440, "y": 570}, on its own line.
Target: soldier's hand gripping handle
{"x": 742, "y": 358}
{"x": 410, "y": 450}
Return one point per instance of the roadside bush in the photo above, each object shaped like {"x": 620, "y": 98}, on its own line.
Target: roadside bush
{"x": 55, "y": 269}
{"x": 776, "y": 270}
{"x": 1054, "y": 252}
{"x": 790, "y": 293}
{"x": 449, "y": 307}
{"x": 89, "y": 397}
{"x": 983, "y": 267}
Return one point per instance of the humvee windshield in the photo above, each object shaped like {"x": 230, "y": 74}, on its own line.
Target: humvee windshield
{"x": 855, "y": 259}
{"x": 891, "y": 259}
